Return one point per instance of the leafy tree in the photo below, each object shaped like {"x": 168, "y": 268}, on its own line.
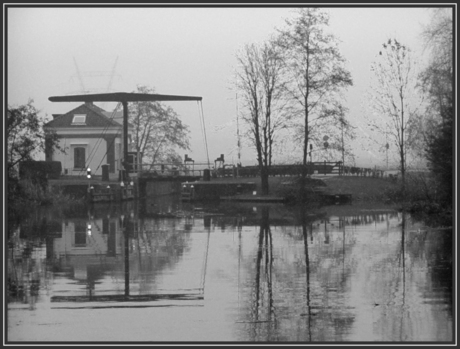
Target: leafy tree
{"x": 394, "y": 99}
{"x": 25, "y": 135}
{"x": 25, "y": 138}
{"x": 316, "y": 71}
{"x": 436, "y": 81}
{"x": 158, "y": 131}
{"x": 440, "y": 157}
{"x": 260, "y": 79}
{"x": 437, "y": 78}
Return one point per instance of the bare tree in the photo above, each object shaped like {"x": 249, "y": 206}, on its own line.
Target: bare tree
{"x": 259, "y": 80}
{"x": 341, "y": 133}
{"x": 316, "y": 70}
{"x": 158, "y": 131}
{"x": 394, "y": 99}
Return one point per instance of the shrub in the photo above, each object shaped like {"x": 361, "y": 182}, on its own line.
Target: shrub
{"x": 40, "y": 170}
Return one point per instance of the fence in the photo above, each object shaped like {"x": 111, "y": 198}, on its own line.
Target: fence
{"x": 325, "y": 168}
{"x": 169, "y": 170}
{"x": 197, "y": 170}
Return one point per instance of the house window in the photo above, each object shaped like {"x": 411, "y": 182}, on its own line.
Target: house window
{"x": 79, "y": 119}
{"x": 79, "y": 157}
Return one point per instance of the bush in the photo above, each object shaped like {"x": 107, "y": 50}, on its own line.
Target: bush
{"x": 40, "y": 170}
{"x": 25, "y": 193}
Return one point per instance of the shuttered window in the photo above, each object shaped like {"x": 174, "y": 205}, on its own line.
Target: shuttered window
{"x": 79, "y": 157}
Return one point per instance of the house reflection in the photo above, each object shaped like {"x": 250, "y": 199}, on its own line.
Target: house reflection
{"x": 89, "y": 236}
{"x": 115, "y": 251}
{"x": 299, "y": 276}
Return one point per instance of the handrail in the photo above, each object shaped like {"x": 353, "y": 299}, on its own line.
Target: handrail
{"x": 226, "y": 170}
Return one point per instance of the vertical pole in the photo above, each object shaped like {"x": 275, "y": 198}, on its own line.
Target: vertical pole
{"x": 138, "y": 170}
{"x": 125, "y": 139}
{"x": 343, "y": 151}
{"x": 126, "y": 243}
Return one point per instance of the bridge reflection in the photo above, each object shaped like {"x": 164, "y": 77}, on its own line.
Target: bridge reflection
{"x": 106, "y": 244}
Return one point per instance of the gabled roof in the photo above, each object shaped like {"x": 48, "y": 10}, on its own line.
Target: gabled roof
{"x": 95, "y": 117}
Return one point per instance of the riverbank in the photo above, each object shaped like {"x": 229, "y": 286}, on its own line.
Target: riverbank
{"x": 362, "y": 189}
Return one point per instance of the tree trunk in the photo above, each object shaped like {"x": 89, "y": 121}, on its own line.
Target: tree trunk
{"x": 303, "y": 178}
{"x": 264, "y": 180}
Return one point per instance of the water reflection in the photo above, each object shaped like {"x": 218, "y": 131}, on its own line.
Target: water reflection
{"x": 275, "y": 273}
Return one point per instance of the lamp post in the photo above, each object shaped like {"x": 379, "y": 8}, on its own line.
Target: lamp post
{"x": 88, "y": 175}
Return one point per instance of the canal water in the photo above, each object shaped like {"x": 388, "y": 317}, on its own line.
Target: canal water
{"x": 167, "y": 271}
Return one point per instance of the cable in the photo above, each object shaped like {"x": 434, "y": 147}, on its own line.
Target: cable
{"x": 204, "y": 131}
{"x": 99, "y": 141}
{"x": 205, "y": 264}
{"x": 113, "y": 140}
{"x": 201, "y": 124}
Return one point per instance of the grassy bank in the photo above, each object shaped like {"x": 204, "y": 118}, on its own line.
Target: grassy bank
{"x": 370, "y": 194}
{"x": 367, "y": 189}
{"x": 362, "y": 189}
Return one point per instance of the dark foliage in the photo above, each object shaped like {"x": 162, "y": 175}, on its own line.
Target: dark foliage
{"x": 40, "y": 169}
{"x": 440, "y": 157}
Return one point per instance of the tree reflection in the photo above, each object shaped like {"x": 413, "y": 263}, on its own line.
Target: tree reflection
{"x": 264, "y": 268}
{"x": 303, "y": 218}
{"x": 96, "y": 248}
{"x": 304, "y": 277}
{"x": 403, "y": 269}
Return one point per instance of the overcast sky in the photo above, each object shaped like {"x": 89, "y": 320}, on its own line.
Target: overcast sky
{"x": 179, "y": 51}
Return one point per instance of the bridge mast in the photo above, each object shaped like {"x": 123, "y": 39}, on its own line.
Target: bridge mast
{"x": 123, "y": 98}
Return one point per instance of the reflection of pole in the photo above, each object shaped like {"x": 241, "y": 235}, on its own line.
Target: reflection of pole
{"x": 239, "y": 265}
{"x": 343, "y": 145}
{"x": 343, "y": 248}
{"x": 205, "y": 262}
{"x": 139, "y": 244}
{"x": 125, "y": 232}
{"x": 403, "y": 224}
{"x": 307, "y": 270}
{"x": 268, "y": 259}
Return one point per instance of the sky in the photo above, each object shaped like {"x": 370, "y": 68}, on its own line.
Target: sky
{"x": 190, "y": 51}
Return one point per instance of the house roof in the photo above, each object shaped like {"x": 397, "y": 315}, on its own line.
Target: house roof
{"x": 95, "y": 117}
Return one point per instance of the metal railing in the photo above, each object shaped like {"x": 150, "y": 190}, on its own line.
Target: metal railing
{"x": 197, "y": 170}
{"x": 167, "y": 170}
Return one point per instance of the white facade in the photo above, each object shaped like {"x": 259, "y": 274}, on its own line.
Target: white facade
{"x": 95, "y": 149}
{"x": 90, "y": 138}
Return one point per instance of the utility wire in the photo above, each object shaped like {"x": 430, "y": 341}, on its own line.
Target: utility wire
{"x": 99, "y": 141}
{"x": 204, "y": 131}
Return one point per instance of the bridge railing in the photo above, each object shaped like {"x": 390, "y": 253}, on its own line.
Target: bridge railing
{"x": 320, "y": 168}
{"x": 167, "y": 170}
{"x": 230, "y": 170}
